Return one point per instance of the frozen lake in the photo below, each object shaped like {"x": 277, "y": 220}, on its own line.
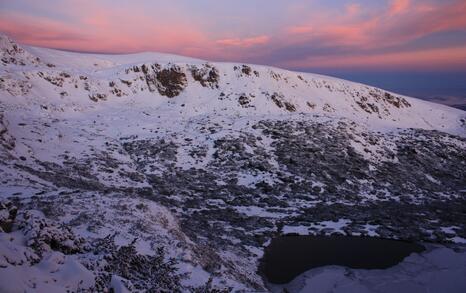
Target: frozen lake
{"x": 289, "y": 256}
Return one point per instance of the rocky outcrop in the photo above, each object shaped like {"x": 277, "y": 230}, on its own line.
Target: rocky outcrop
{"x": 6, "y": 140}
{"x": 281, "y": 102}
{"x": 245, "y": 100}
{"x": 207, "y": 75}
{"x": 377, "y": 101}
{"x": 12, "y": 53}
{"x": 245, "y": 70}
{"x": 98, "y": 97}
{"x": 169, "y": 80}
{"x": 7, "y": 216}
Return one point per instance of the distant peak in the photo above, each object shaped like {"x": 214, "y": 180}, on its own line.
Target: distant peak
{"x": 12, "y": 53}
{"x": 7, "y": 44}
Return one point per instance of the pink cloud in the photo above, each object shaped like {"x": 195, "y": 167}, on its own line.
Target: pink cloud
{"x": 39, "y": 31}
{"x": 352, "y": 34}
{"x": 104, "y": 36}
{"x": 353, "y": 9}
{"x": 432, "y": 59}
{"x": 399, "y": 6}
{"x": 91, "y": 26}
{"x": 402, "y": 22}
{"x": 246, "y": 42}
{"x": 303, "y": 29}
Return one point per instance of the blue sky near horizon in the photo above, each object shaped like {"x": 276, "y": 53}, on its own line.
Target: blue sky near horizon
{"x": 447, "y": 88}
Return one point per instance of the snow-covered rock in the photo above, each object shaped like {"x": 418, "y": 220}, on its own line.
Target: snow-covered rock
{"x": 12, "y": 53}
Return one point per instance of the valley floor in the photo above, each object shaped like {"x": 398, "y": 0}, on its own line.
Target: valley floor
{"x": 215, "y": 195}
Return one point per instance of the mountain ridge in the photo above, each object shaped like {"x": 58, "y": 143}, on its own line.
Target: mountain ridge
{"x": 266, "y": 89}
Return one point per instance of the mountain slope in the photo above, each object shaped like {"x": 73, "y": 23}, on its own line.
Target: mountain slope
{"x": 223, "y": 88}
{"x": 211, "y": 160}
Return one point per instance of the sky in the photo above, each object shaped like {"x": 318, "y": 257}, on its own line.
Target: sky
{"x": 357, "y": 39}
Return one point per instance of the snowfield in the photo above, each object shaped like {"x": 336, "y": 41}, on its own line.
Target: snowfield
{"x": 161, "y": 173}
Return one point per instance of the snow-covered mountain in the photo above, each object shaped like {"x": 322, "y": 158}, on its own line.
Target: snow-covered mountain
{"x": 191, "y": 87}
{"x": 209, "y": 161}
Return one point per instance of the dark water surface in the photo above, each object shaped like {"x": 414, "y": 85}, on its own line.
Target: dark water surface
{"x": 289, "y": 256}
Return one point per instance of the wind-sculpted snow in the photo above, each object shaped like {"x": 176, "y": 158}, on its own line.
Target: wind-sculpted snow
{"x": 52, "y": 250}
{"x": 188, "y": 168}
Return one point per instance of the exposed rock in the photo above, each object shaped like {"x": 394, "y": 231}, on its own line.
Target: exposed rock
{"x": 6, "y": 140}
{"x": 207, "y": 75}
{"x": 96, "y": 97}
{"x": 281, "y": 102}
{"x": 7, "y": 216}
{"x": 246, "y": 70}
{"x": 169, "y": 81}
{"x": 245, "y": 101}
{"x": 152, "y": 273}
{"x": 12, "y": 53}
{"x": 52, "y": 78}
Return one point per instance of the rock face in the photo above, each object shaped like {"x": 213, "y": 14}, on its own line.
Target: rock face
{"x": 209, "y": 161}
{"x": 280, "y": 101}
{"x": 6, "y": 140}
{"x": 169, "y": 82}
{"x": 7, "y": 216}
{"x": 207, "y": 75}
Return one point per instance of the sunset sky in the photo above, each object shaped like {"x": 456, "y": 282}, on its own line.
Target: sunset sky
{"x": 308, "y": 35}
